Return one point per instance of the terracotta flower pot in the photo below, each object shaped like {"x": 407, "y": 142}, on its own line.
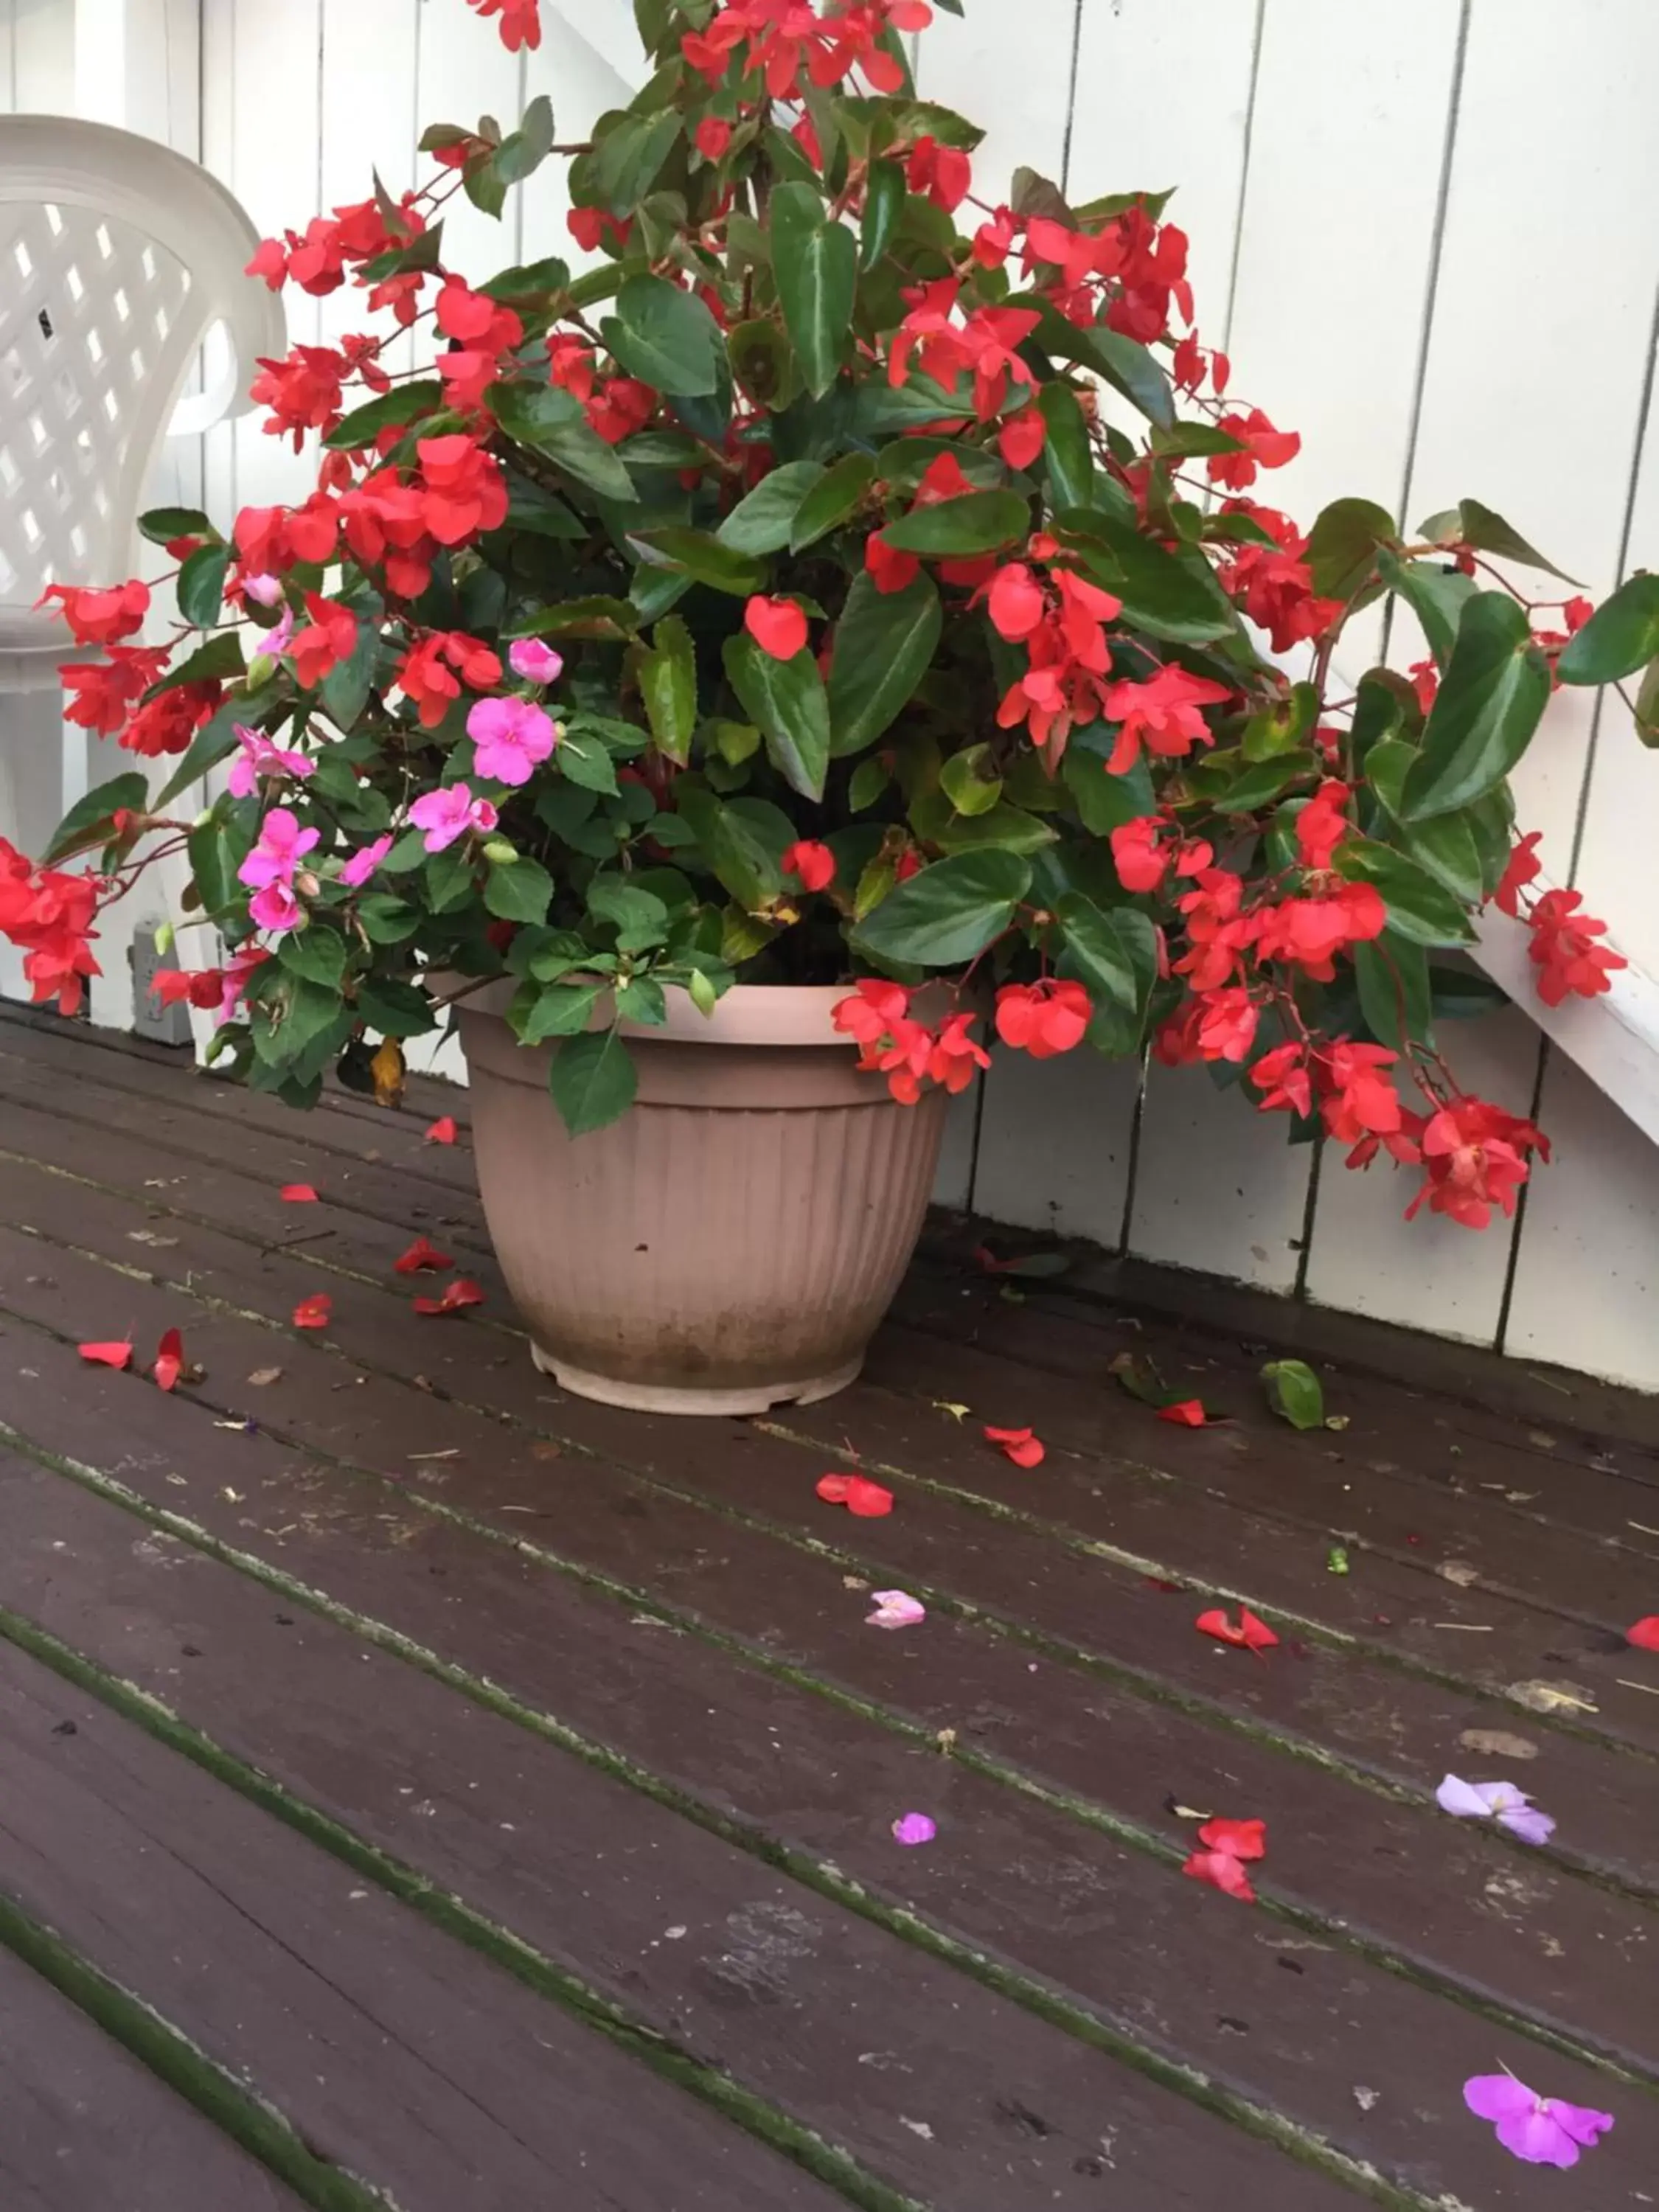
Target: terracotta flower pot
{"x": 734, "y": 1239}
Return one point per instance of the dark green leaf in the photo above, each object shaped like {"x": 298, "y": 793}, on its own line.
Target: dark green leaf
{"x": 1461, "y": 994}
{"x": 703, "y": 557}
{"x": 977, "y": 522}
{"x": 404, "y": 403}
{"x": 518, "y": 890}
{"x": 560, "y": 1010}
{"x": 668, "y": 685}
{"x": 760, "y": 522}
{"x": 1446, "y": 847}
{"x": 161, "y": 525}
{"x": 1436, "y": 596}
{"x": 627, "y": 159}
{"x": 593, "y": 1079}
{"x": 201, "y": 586}
{"x": 1126, "y": 365}
{"x": 394, "y": 1008}
{"x": 346, "y": 686}
{"x": 948, "y": 912}
{"x": 1646, "y": 717}
{"x": 1112, "y": 953}
{"x": 884, "y": 645}
{"x": 1418, "y": 908}
{"x": 1162, "y": 594}
{"x": 884, "y": 197}
{"x": 583, "y": 760}
{"x": 786, "y": 701}
{"x": 1381, "y": 706}
{"x": 815, "y": 263}
{"x": 665, "y": 336}
{"x": 1490, "y": 702}
{"x": 1105, "y": 802}
{"x": 89, "y": 822}
{"x": 551, "y": 422}
{"x": 1294, "y": 1393}
{"x": 740, "y": 844}
{"x": 529, "y": 507}
{"x": 217, "y": 661}
{"x": 591, "y": 617}
{"x": 1619, "y": 637}
{"x": 523, "y": 153}
{"x": 1342, "y": 546}
{"x": 829, "y": 502}
{"x": 1264, "y": 780}
{"x": 1393, "y": 974}
{"x": 1489, "y": 533}
{"x": 531, "y": 280}
{"x": 216, "y": 850}
{"x": 316, "y": 952}
{"x": 1067, "y": 451}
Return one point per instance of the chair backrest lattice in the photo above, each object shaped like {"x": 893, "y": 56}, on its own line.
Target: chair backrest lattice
{"x": 97, "y": 328}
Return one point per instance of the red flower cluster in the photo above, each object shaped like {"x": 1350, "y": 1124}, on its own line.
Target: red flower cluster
{"x": 304, "y": 391}
{"x": 520, "y": 24}
{"x": 1563, "y": 948}
{"x": 1060, "y": 619}
{"x": 99, "y": 617}
{"x": 905, "y": 1051}
{"x": 317, "y": 259}
{"x": 1044, "y": 1019}
{"x": 49, "y": 915}
{"x": 777, "y": 37}
{"x": 1273, "y": 584}
{"x": 616, "y": 406}
{"x": 437, "y": 666}
{"x": 983, "y": 347}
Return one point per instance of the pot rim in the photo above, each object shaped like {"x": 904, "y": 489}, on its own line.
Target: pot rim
{"x": 784, "y": 1014}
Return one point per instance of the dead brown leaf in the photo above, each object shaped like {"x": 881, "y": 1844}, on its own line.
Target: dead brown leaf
{"x": 1459, "y": 1572}
{"x": 1542, "y": 1697}
{"x": 262, "y": 1377}
{"x": 1498, "y": 1743}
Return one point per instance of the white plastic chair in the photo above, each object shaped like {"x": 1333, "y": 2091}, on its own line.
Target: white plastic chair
{"x": 118, "y": 257}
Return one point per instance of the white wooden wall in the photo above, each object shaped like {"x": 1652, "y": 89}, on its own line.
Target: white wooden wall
{"x": 1426, "y": 232}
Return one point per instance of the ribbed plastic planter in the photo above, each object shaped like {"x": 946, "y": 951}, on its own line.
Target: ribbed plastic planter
{"x": 733, "y": 1241}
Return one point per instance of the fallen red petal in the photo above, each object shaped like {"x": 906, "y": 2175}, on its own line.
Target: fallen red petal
{"x": 422, "y": 1253}
{"x": 462, "y": 1291}
{"x": 314, "y": 1312}
{"x": 107, "y": 1355}
{"x": 443, "y": 1131}
{"x": 1645, "y": 1634}
{"x": 867, "y": 1499}
{"x": 1187, "y": 1413}
{"x": 1019, "y": 1445}
{"x": 1238, "y": 1839}
{"x": 1222, "y": 1872}
{"x": 169, "y": 1360}
{"x": 832, "y": 1488}
{"x": 298, "y": 1194}
{"x": 1253, "y": 1633}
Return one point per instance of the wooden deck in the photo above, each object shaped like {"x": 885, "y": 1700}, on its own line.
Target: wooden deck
{"x": 423, "y": 1789}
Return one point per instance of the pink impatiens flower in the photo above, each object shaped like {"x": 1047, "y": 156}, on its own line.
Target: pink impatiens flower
{"x": 363, "y": 862}
{"x": 1495, "y": 1801}
{"x": 914, "y": 1828}
{"x": 260, "y": 756}
{"x": 536, "y": 662}
{"x": 895, "y": 1608}
{"x": 269, "y": 869}
{"x": 448, "y": 814}
{"x": 510, "y": 737}
{"x": 1543, "y": 2131}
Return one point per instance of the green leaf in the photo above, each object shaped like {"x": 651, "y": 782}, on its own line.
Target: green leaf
{"x": 884, "y": 197}
{"x": 815, "y": 263}
{"x": 970, "y": 781}
{"x": 665, "y": 336}
{"x": 1436, "y": 596}
{"x": 761, "y": 521}
{"x": 596, "y": 617}
{"x": 201, "y": 586}
{"x": 703, "y": 557}
{"x": 216, "y": 848}
{"x": 977, "y": 522}
{"x": 583, "y": 760}
{"x": 81, "y": 827}
{"x": 1164, "y": 596}
{"x": 394, "y": 1008}
{"x": 1126, "y": 365}
{"x": 1343, "y": 544}
{"x": 523, "y": 153}
{"x": 1646, "y": 716}
{"x": 627, "y": 160}
{"x": 1619, "y": 637}
{"x": 1462, "y": 994}
{"x": 1265, "y": 780}
{"x": 1418, "y": 908}
{"x": 639, "y": 917}
{"x": 346, "y": 686}
{"x": 1112, "y": 953}
{"x": 787, "y": 700}
{"x": 1446, "y": 847}
{"x": 835, "y": 495}
{"x": 316, "y": 952}
{"x": 884, "y": 645}
{"x": 1066, "y": 453}
{"x": 948, "y": 912}
{"x": 668, "y": 685}
{"x": 1392, "y": 975}
{"x": 741, "y": 842}
{"x": 551, "y": 422}
{"x": 1493, "y": 694}
{"x": 532, "y": 280}
{"x": 1489, "y": 533}
{"x": 518, "y": 890}
{"x": 404, "y": 403}
{"x": 161, "y": 525}
{"x": 560, "y": 1010}
{"x": 217, "y": 661}
{"x": 593, "y": 1079}
{"x": 1104, "y": 802}
{"x": 1294, "y": 1393}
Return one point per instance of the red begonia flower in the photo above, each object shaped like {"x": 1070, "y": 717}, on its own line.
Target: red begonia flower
{"x": 777, "y": 626}
{"x": 812, "y": 862}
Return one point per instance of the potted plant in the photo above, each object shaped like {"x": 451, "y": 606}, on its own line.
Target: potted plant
{"x": 837, "y": 625}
